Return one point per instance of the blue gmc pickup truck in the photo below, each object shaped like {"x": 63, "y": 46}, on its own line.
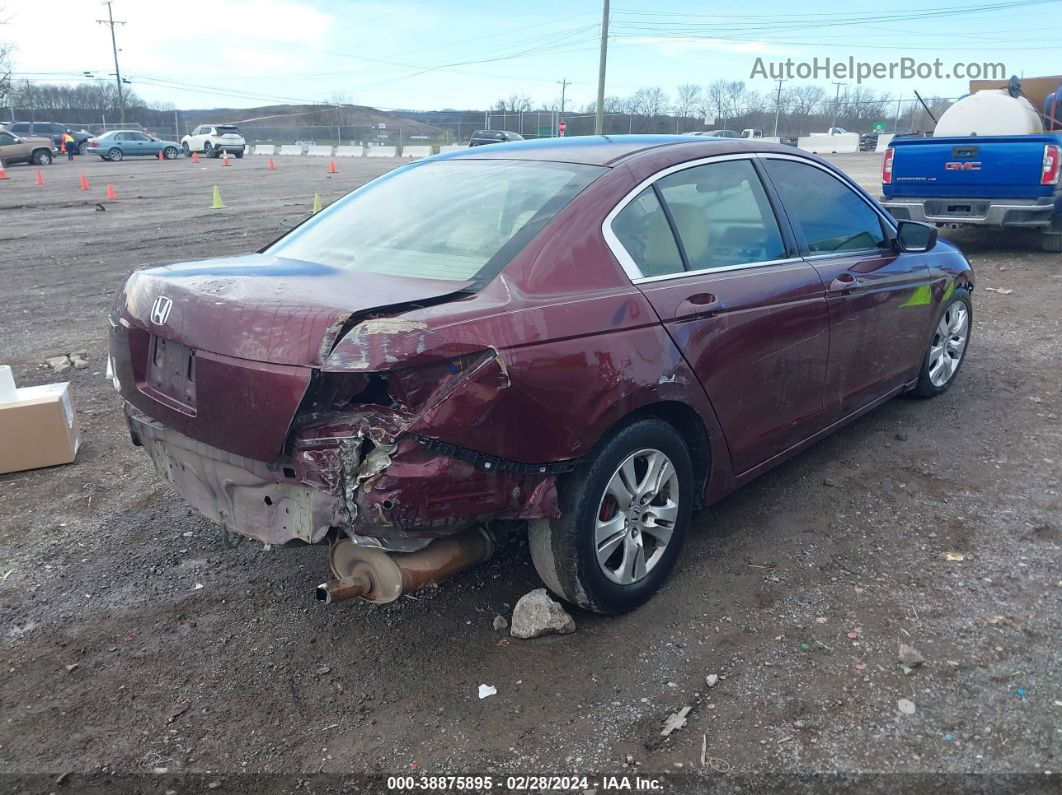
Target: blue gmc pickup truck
{"x": 981, "y": 179}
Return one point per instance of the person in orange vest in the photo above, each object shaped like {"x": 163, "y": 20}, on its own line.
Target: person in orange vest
{"x": 69, "y": 146}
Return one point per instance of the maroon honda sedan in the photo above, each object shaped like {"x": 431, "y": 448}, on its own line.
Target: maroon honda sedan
{"x": 589, "y": 338}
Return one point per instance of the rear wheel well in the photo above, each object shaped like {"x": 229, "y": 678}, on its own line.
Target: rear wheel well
{"x": 690, "y": 425}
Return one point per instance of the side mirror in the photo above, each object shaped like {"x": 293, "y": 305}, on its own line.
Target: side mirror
{"x": 914, "y": 237}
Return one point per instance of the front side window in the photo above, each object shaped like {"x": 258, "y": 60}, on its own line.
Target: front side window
{"x": 642, "y": 229}
{"x": 833, "y": 217}
{"x": 722, "y": 215}
{"x": 461, "y": 220}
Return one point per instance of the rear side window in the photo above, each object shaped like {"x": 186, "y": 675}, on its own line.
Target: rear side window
{"x": 833, "y": 217}
{"x": 21, "y": 127}
{"x": 644, "y": 232}
{"x": 722, "y": 215}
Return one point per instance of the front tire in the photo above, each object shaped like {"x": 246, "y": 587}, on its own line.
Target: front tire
{"x": 82, "y": 148}
{"x": 947, "y": 346}
{"x": 208, "y": 150}
{"x": 624, "y": 516}
{"x": 187, "y": 149}
{"x": 170, "y": 153}
{"x": 42, "y": 158}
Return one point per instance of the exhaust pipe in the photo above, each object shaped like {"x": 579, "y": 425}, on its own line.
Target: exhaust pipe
{"x": 379, "y": 576}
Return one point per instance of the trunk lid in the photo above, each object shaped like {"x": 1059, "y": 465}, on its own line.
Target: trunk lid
{"x": 223, "y": 350}
{"x": 266, "y": 308}
{"x": 988, "y": 167}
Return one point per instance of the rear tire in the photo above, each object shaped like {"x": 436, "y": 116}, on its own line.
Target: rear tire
{"x": 624, "y": 516}
{"x": 239, "y": 155}
{"x": 115, "y": 154}
{"x": 1051, "y": 241}
{"x": 947, "y": 347}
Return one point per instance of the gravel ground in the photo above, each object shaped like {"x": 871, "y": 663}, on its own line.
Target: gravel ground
{"x": 132, "y": 640}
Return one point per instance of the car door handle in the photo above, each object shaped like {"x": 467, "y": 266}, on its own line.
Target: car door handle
{"x": 698, "y": 304}
{"x": 844, "y": 283}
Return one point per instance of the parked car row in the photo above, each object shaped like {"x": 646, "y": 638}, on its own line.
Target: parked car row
{"x": 52, "y": 130}
{"x": 17, "y": 149}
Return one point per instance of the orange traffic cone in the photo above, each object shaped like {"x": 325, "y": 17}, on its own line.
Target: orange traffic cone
{"x": 160, "y": 155}
{"x": 224, "y": 158}
{"x": 62, "y": 148}
{"x": 84, "y": 183}
{"x": 40, "y": 177}
{"x": 332, "y": 167}
{"x": 110, "y": 193}
{"x": 3, "y": 174}
{"x": 195, "y": 157}
{"x": 272, "y": 166}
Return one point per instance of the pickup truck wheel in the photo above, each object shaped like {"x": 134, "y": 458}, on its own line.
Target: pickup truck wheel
{"x": 947, "y": 348}
{"x": 114, "y": 153}
{"x": 1051, "y": 241}
{"x": 624, "y": 516}
{"x": 42, "y": 157}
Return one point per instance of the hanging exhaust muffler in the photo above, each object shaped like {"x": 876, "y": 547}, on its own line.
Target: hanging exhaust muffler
{"x": 376, "y": 575}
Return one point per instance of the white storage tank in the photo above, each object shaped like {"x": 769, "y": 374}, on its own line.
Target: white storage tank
{"x": 991, "y": 112}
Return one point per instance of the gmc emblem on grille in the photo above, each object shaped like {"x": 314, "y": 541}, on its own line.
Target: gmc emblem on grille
{"x": 160, "y": 310}
{"x": 970, "y": 165}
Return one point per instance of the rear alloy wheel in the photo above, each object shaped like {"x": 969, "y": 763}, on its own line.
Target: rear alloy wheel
{"x": 947, "y": 349}
{"x": 624, "y": 515}
{"x": 170, "y": 153}
{"x": 114, "y": 153}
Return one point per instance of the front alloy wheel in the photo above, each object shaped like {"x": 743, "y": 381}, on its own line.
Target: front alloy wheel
{"x": 947, "y": 348}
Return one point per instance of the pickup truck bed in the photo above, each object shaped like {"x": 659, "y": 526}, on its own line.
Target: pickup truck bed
{"x": 978, "y": 180}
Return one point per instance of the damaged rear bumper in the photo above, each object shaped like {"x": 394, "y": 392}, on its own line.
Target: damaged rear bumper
{"x": 379, "y": 492}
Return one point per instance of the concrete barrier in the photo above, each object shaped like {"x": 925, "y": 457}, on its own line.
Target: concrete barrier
{"x": 822, "y": 144}
{"x": 290, "y": 149}
{"x": 319, "y": 151}
{"x": 350, "y": 151}
{"x": 883, "y": 142}
{"x": 265, "y": 149}
{"x": 381, "y": 151}
{"x": 451, "y": 148}
{"x": 416, "y": 151}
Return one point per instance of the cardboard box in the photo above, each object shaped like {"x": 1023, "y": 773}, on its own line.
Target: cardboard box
{"x": 38, "y": 428}
{"x": 1036, "y": 89}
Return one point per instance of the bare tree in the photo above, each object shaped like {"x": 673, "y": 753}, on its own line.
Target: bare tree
{"x": 649, "y": 102}
{"x": 6, "y": 50}
{"x": 514, "y": 104}
{"x": 724, "y": 99}
{"x": 687, "y": 101}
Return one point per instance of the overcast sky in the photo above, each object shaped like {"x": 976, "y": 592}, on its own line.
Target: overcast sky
{"x": 430, "y": 55}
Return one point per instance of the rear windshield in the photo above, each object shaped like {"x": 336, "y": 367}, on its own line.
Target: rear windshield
{"x": 461, "y": 220}
{"x": 228, "y": 129}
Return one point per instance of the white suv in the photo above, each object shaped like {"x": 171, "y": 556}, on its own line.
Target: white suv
{"x": 213, "y": 139}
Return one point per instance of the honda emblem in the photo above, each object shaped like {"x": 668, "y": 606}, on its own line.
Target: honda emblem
{"x": 160, "y": 310}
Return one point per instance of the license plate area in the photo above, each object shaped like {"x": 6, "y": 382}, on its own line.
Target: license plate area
{"x": 171, "y": 374}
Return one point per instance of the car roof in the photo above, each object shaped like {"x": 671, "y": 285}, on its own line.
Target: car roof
{"x": 593, "y": 150}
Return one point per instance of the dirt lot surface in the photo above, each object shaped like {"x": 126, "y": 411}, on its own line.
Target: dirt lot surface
{"x": 132, "y": 640}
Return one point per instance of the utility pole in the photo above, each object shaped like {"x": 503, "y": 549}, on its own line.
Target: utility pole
{"x": 564, "y": 87}
{"x": 836, "y": 104}
{"x": 110, "y": 21}
{"x": 599, "y": 117}
{"x": 777, "y": 107}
